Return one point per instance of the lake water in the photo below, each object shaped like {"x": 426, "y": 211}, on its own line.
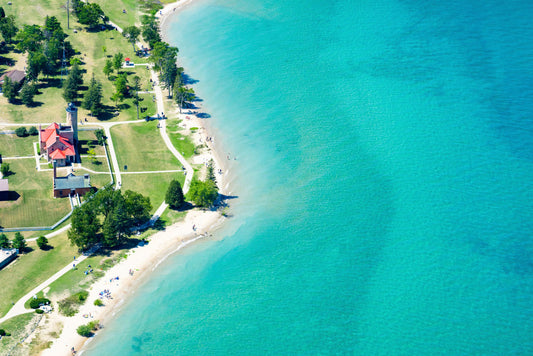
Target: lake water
{"x": 384, "y": 181}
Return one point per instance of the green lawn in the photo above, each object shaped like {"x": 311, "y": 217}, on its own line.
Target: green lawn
{"x": 182, "y": 143}
{"x": 34, "y": 205}
{"x": 17, "y": 327}
{"x": 50, "y": 103}
{"x": 87, "y": 140}
{"x": 113, "y": 9}
{"x": 33, "y": 268}
{"x": 151, "y": 185}
{"x": 141, "y": 147}
{"x": 13, "y": 146}
{"x": 100, "y": 165}
{"x": 99, "y": 180}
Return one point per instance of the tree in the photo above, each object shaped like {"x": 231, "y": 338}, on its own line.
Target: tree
{"x": 26, "y": 94}
{"x": 117, "y": 61}
{"x": 33, "y": 131}
{"x": 90, "y": 14}
{"x": 92, "y": 100}
{"x": 70, "y": 89}
{"x": 108, "y": 68}
{"x": 211, "y": 171}
{"x": 21, "y": 131}
{"x": 100, "y": 136}
{"x": 42, "y": 242}
{"x": 9, "y": 89}
{"x": 36, "y": 64}
{"x": 4, "y": 241}
{"x": 19, "y": 243}
{"x": 116, "y": 97}
{"x": 203, "y": 193}
{"x": 84, "y": 226}
{"x": 183, "y": 95}
{"x": 117, "y": 224}
{"x": 2, "y": 13}
{"x": 121, "y": 84}
{"x": 132, "y": 34}
{"x": 138, "y": 207}
{"x": 134, "y": 92}
{"x": 8, "y": 29}
{"x": 169, "y": 70}
{"x": 174, "y": 196}
{"x": 76, "y": 74}
{"x": 92, "y": 155}
{"x": 30, "y": 38}
{"x": 4, "y": 168}
{"x": 150, "y": 30}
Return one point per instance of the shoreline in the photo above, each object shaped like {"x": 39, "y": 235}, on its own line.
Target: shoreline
{"x": 142, "y": 260}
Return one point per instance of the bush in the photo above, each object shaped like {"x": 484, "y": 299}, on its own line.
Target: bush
{"x": 21, "y": 132}
{"x": 70, "y": 305}
{"x": 33, "y": 131}
{"x": 87, "y": 330}
{"x": 84, "y": 330}
{"x": 39, "y": 311}
{"x": 36, "y": 302}
{"x": 42, "y": 242}
{"x": 98, "y": 303}
{"x": 2, "y": 332}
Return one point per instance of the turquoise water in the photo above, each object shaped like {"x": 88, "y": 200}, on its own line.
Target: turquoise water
{"x": 384, "y": 180}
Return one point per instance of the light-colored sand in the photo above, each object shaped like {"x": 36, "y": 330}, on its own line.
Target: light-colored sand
{"x": 143, "y": 260}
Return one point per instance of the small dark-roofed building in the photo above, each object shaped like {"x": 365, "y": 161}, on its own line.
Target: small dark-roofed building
{"x": 71, "y": 185}
{"x": 4, "y": 189}
{"x": 16, "y": 76}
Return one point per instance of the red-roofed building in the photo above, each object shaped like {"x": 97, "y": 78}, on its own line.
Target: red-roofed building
{"x": 58, "y": 142}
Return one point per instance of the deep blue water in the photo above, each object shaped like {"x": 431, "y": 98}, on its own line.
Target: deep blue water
{"x": 384, "y": 177}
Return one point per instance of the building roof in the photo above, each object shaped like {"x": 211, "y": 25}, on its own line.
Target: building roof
{"x": 13, "y": 75}
{"x": 51, "y": 135}
{"x": 4, "y": 185}
{"x": 72, "y": 182}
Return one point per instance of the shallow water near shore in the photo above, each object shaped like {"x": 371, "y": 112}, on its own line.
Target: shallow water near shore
{"x": 383, "y": 174}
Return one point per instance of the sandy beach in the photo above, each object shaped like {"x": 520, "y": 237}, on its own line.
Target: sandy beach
{"x": 120, "y": 282}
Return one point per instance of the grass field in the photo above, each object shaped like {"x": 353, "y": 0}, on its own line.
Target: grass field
{"x": 91, "y": 45}
{"x": 13, "y": 146}
{"x": 35, "y": 266}
{"x": 17, "y": 327}
{"x": 182, "y": 143}
{"x": 87, "y": 140}
{"x": 113, "y": 9}
{"x": 141, "y": 148}
{"x": 152, "y": 185}
{"x": 35, "y": 205}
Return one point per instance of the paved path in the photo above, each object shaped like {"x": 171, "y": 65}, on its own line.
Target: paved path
{"x": 18, "y": 157}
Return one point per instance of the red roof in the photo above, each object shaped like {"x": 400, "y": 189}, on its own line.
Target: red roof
{"x": 58, "y": 154}
{"x": 127, "y": 59}
{"x": 45, "y": 134}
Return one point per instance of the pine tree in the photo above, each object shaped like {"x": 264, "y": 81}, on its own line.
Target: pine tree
{"x": 27, "y": 93}
{"x": 174, "y": 196}
{"x": 9, "y": 89}
{"x": 92, "y": 99}
{"x": 70, "y": 90}
{"x": 4, "y": 241}
{"x": 19, "y": 242}
{"x": 108, "y": 68}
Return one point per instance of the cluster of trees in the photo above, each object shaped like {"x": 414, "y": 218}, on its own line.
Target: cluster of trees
{"x": 201, "y": 193}
{"x": 108, "y": 217}
{"x": 89, "y": 14}
{"x": 44, "y": 46}
{"x": 18, "y": 242}
{"x": 22, "y": 132}
{"x": 8, "y": 29}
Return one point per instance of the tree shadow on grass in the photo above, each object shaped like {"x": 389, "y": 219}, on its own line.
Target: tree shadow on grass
{"x": 50, "y": 82}
{"x": 47, "y": 247}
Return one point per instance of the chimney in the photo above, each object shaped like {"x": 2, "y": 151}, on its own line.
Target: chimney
{"x": 55, "y": 170}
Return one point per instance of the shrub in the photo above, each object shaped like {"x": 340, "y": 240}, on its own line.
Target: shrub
{"x": 33, "y": 131}
{"x": 36, "y": 302}
{"x": 42, "y": 242}
{"x": 84, "y": 330}
{"x": 98, "y": 303}
{"x": 21, "y": 132}
{"x": 70, "y": 305}
{"x": 39, "y": 311}
{"x": 87, "y": 330}
{"x": 2, "y": 332}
